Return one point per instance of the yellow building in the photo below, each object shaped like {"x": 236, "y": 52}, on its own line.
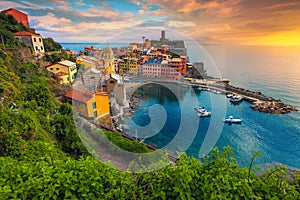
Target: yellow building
{"x": 89, "y": 104}
{"x": 65, "y": 71}
{"x": 85, "y": 63}
{"x": 128, "y": 65}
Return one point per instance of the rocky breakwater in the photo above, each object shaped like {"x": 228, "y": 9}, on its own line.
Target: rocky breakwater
{"x": 274, "y": 106}
{"x": 261, "y": 102}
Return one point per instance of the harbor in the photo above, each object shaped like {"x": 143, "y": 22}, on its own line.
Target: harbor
{"x": 260, "y": 102}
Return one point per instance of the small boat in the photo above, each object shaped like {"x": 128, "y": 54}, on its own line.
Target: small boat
{"x": 236, "y": 100}
{"x": 202, "y": 112}
{"x": 218, "y": 92}
{"x": 236, "y": 96}
{"x": 214, "y": 91}
{"x": 229, "y": 95}
{"x": 232, "y": 120}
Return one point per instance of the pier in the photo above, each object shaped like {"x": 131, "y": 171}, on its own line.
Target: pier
{"x": 260, "y": 102}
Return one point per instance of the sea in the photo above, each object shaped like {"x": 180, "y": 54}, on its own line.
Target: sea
{"x": 167, "y": 119}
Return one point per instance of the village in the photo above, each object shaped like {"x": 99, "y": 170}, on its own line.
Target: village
{"x": 95, "y": 80}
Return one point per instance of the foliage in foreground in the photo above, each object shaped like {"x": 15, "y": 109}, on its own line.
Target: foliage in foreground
{"x": 214, "y": 178}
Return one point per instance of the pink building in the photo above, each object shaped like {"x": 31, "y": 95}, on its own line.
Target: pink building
{"x": 161, "y": 70}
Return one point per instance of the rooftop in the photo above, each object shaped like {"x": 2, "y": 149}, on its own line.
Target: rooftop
{"x": 25, "y": 33}
{"x": 67, "y": 63}
{"x": 80, "y": 95}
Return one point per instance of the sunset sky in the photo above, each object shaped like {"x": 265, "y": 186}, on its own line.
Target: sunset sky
{"x": 250, "y": 22}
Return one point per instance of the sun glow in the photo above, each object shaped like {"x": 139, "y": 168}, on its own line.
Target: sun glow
{"x": 291, "y": 38}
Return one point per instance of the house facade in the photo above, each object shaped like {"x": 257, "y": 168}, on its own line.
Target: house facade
{"x": 89, "y": 104}
{"x": 35, "y": 41}
{"x": 65, "y": 71}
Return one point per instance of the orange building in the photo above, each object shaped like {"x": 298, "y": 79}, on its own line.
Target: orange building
{"x": 18, "y": 15}
{"x": 179, "y": 64}
{"x": 89, "y": 104}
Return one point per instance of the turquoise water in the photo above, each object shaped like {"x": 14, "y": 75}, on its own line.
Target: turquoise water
{"x": 275, "y": 71}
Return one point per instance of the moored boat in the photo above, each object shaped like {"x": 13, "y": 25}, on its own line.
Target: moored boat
{"x": 236, "y": 100}
{"x": 232, "y": 120}
{"x": 202, "y": 112}
{"x": 229, "y": 95}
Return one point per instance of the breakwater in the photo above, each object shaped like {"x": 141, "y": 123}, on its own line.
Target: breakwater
{"x": 260, "y": 102}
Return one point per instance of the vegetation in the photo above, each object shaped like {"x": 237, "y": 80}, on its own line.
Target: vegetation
{"x": 51, "y": 45}
{"x": 8, "y": 26}
{"x": 42, "y": 156}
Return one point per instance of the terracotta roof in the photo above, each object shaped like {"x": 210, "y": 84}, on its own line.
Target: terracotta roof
{"x": 80, "y": 95}
{"x": 25, "y": 33}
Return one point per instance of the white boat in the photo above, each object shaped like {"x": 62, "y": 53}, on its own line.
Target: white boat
{"x": 218, "y": 92}
{"x": 232, "y": 120}
{"x": 202, "y": 112}
{"x": 236, "y": 99}
{"x": 229, "y": 95}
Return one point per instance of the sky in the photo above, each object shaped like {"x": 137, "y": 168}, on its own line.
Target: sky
{"x": 246, "y": 22}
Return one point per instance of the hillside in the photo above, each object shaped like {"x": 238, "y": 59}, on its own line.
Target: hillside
{"x": 42, "y": 156}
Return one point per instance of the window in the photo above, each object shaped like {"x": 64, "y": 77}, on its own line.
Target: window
{"x": 40, "y": 40}
{"x": 36, "y": 48}
{"x": 41, "y": 47}
{"x": 51, "y": 68}
{"x": 94, "y": 105}
{"x": 95, "y": 114}
{"x": 57, "y": 68}
{"x": 34, "y": 39}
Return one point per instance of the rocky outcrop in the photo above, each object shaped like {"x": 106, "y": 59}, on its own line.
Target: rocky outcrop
{"x": 273, "y": 107}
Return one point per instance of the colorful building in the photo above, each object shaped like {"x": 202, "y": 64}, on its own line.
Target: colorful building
{"x": 89, "y": 104}
{"x": 18, "y": 15}
{"x": 159, "y": 69}
{"x": 128, "y": 65}
{"x": 65, "y": 71}
{"x": 85, "y": 63}
{"x": 179, "y": 64}
{"x": 35, "y": 41}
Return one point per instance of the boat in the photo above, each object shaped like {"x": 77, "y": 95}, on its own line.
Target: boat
{"x": 236, "y": 96}
{"x": 232, "y": 120}
{"x": 229, "y": 95}
{"x": 202, "y": 112}
{"x": 218, "y": 92}
{"x": 236, "y": 100}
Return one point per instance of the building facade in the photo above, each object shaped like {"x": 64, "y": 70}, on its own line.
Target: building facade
{"x": 91, "y": 79}
{"x": 89, "y": 104}
{"x": 65, "y": 71}
{"x": 35, "y": 41}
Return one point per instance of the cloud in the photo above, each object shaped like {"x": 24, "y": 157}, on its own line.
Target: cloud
{"x": 59, "y": 1}
{"x": 208, "y": 20}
